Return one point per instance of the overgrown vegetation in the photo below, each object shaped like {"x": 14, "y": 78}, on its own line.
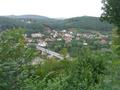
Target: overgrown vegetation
{"x": 15, "y": 59}
{"x": 90, "y": 70}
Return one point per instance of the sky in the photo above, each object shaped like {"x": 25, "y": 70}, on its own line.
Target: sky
{"x": 51, "y": 8}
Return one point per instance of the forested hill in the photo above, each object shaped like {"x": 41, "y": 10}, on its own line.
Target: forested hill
{"x": 35, "y": 23}
{"x": 87, "y": 22}
{"x": 28, "y": 17}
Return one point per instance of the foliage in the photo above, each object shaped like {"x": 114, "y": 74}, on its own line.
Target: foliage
{"x": 52, "y": 68}
{"x": 64, "y": 52}
{"x": 41, "y": 24}
{"x": 88, "y": 23}
{"x": 14, "y": 57}
{"x": 111, "y": 11}
{"x": 85, "y": 73}
{"x": 111, "y": 14}
{"x": 56, "y": 45}
{"x": 116, "y": 40}
{"x": 90, "y": 70}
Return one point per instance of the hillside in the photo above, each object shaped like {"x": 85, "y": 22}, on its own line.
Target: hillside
{"x": 35, "y": 23}
{"x": 89, "y": 23}
{"x": 28, "y": 17}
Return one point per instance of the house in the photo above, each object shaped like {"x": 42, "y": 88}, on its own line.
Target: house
{"x": 42, "y": 43}
{"x": 78, "y": 34}
{"x": 28, "y": 40}
{"x": 85, "y": 44}
{"x": 25, "y": 35}
{"x": 68, "y": 38}
{"x": 70, "y": 32}
{"x": 64, "y": 31}
{"x": 29, "y": 22}
{"x": 103, "y": 41}
{"x": 77, "y": 38}
{"x": 59, "y": 39}
{"x": 37, "y": 35}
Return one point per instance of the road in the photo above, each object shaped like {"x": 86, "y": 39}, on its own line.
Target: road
{"x": 57, "y": 55}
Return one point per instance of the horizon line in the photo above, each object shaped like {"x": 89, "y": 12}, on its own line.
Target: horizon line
{"x": 48, "y": 16}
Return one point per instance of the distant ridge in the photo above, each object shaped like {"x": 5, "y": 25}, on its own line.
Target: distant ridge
{"x": 39, "y": 23}
{"x": 28, "y": 16}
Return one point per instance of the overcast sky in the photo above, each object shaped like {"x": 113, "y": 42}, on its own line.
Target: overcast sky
{"x": 51, "y": 8}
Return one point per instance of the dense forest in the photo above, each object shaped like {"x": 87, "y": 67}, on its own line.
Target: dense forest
{"x": 33, "y": 23}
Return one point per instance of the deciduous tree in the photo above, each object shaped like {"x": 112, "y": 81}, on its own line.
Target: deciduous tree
{"x": 111, "y": 14}
{"x": 15, "y": 58}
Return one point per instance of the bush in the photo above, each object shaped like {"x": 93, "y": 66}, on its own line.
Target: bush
{"x": 85, "y": 73}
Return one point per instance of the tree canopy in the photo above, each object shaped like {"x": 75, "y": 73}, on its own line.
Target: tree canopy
{"x": 15, "y": 58}
{"x": 111, "y": 11}
{"x": 112, "y": 15}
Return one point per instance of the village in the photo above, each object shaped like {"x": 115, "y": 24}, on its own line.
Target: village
{"x": 53, "y": 35}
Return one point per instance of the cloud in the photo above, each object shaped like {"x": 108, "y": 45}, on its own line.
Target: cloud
{"x": 51, "y": 8}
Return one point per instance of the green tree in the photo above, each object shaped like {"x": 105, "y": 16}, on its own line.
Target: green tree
{"x": 116, "y": 41}
{"x": 111, "y": 11}
{"x": 112, "y": 14}
{"x": 64, "y": 52}
{"x": 15, "y": 58}
{"x": 89, "y": 70}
